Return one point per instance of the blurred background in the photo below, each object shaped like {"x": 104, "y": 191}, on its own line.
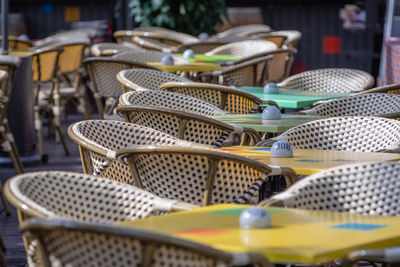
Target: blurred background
{"x": 335, "y": 33}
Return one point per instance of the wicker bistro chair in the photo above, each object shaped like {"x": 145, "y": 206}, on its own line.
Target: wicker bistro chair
{"x": 248, "y": 73}
{"x": 198, "y": 175}
{"x": 292, "y": 37}
{"x": 362, "y": 134}
{"x": 244, "y": 30}
{"x": 17, "y": 44}
{"x": 102, "y": 72}
{"x": 141, "y": 79}
{"x": 152, "y": 44}
{"x": 330, "y": 80}
{"x": 110, "y": 49}
{"x": 370, "y": 188}
{"x": 70, "y": 72}
{"x": 99, "y": 140}
{"x": 374, "y": 104}
{"x": 278, "y": 68}
{"x": 170, "y": 100}
{"x": 165, "y": 36}
{"x": 45, "y": 67}
{"x": 201, "y": 47}
{"x": 144, "y": 56}
{"x": 244, "y": 48}
{"x": 278, "y": 39}
{"x": 8, "y": 65}
{"x": 78, "y": 34}
{"x": 188, "y": 126}
{"x": 6, "y": 138}
{"x": 226, "y": 98}
{"x": 81, "y": 197}
{"x": 69, "y": 243}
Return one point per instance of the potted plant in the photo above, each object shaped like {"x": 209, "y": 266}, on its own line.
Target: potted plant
{"x": 188, "y": 16}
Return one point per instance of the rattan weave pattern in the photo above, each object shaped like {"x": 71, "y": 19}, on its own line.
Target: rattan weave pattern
{"x": 244, "y": 30}
{"x": 103, "y": 72}
{"x": 363, "y": 134}
{"x": 359, "y": 105}
{"x": 226, "y": 98}
{"x": 200, "y": 47}
{"x": 371, "y": 188}
{"x": 252, "y": 72}
{"x": 292, "y": 37}
{"x": 170, "y": 100}
{"x": 82, "y": 197}
{"x": 144, "y": 56}
{"x": 104, "y": 137}
{"x": 184, "y": 175}
{"x": 330, "y": 80}
{"x": 107, "y": 250}
{"x": 103, "y": 49}
{"x": 244, "y": 48}
{"x": 140, "y": 79}
{"x": 69, "y": 243}
{"x": 180, "y": 124}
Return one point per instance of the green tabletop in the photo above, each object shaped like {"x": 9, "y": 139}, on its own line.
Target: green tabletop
{"x": 256, "y": 122}
{"x": 290, "y": 98}
{"x": 214, "y": 58}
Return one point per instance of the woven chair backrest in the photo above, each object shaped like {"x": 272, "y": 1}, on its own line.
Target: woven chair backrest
{"x": 226, "y": 98}
{"x": 359, "y": 105}
{"x": 200, "y": 47}
{"x": 103, "y": 74}
{"x": 144, "y": 56}
{"x": 292, "y": 37}
{"x": 280, "y": 66}
{"x": 170, "y": 100}
{"x": 45, "y": 64}
{"x": 180, "y": 124}
{"x": 244, "y": 30}
{"x": 244, "y": 48}
{"x": 69, "y": 243}
{"x": 71, "y": 58}
{"x": 132, "y": 80}
{"x": 200, "y": 176}
{"x": 102, "y": 138}
{"x": 362, "y": 134}
{"x": 110, "y": 48}
{"x": 330, "y": 80}
{"x": 371, "y": 188}
{"x": 80, "y": 197}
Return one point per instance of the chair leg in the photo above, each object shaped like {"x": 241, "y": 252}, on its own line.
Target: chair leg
{"x": 38, "y": 127}
{"x": 14, "y": 148}
{"x": 4, "y": 201}
{"x": 7, "y": 147}
{"x": 60, "y": 135}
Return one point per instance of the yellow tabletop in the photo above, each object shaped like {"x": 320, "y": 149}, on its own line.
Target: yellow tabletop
{"x": 309, "y": 161}
{"x": 296, "y": 236}
{"x": 196, "y": 67}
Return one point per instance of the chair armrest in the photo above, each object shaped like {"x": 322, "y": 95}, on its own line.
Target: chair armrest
{"x": 388, "y": 255}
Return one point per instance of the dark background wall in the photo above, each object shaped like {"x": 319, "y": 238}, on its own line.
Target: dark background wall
{"x": 40, "y": 21}
{"x": 321, "y": 27}
{"x": 318, "y": 21}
